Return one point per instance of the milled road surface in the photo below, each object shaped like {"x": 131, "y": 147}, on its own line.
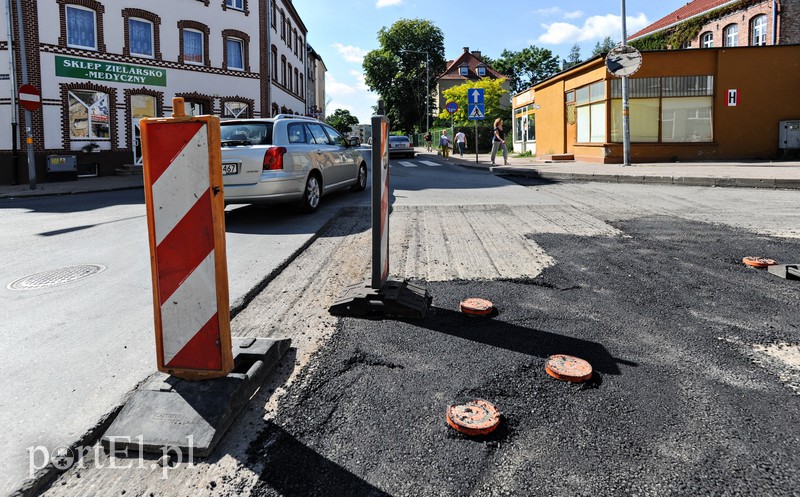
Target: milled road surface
{"x": 694, "y": 354}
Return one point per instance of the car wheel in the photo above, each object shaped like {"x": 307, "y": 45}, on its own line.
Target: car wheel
{"x": 361, "y": 181}
{"x": 311, "y": 194}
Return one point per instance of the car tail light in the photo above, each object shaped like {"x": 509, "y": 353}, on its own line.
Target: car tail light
{"x": 273, "y": 158}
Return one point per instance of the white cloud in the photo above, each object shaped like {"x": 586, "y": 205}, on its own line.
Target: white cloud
{"x": 350, "y": 53}
{"x": 387, "y": 3}
{"x": 550, "y": 11}
{"x": 594, "y": 28}
{"x": 335, "y": 88}
{"x": 361, "y": 84}
{"x": 573, "y": 15}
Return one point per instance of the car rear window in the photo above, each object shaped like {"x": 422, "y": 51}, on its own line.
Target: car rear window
{"x": 256, "y": 133}
{"x": 398, "y": 139}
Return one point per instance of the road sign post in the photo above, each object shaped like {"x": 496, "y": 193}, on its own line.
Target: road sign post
{"x": 475, "y": 111}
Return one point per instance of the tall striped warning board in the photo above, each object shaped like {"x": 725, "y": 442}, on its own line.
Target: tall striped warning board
{"x": 186, "y": 225}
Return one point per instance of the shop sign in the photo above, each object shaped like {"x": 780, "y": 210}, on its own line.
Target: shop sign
{"x": 114, "y": 72}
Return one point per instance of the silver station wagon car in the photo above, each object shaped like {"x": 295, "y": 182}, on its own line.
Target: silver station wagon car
{"x": 287, "y": 158}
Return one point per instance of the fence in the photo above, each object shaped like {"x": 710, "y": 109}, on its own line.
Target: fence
{"x": 484, "y": 137}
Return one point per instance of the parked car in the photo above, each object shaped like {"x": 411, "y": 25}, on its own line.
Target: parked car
{"x": 287, "y": 158}
{"x": 400, "y": 145}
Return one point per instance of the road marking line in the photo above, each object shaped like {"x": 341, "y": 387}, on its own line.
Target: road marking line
{"x": 431, "y": 163}
{"x": 407, "y": 164}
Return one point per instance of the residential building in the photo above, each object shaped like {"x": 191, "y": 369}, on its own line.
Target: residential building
{"x": 469, "y": 66}
{"x": 723, "y": 23}
{"x": 685, "y": 105}
{"x": 101, "y": 66}
{"x": 315, "y": 75}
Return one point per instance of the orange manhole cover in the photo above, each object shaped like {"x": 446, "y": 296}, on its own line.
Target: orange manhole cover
{"x": 758, "y": 261}
{"x": 476, "y": 307}
{"x": 568, "y": 368}
{"x": 474, "y": 417}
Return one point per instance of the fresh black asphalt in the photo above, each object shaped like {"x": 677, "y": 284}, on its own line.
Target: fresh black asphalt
{"x": 665, "y": 313}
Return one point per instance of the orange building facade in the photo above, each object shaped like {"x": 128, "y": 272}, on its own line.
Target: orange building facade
{"x": 685, "y": 105}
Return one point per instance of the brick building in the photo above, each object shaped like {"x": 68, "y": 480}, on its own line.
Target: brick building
{"x": 101, "y": 66}
{"x": 723, "y": 23}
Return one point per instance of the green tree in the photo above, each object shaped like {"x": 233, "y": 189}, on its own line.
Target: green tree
{"x": 527, "y": 67}
{"x": 396, "y": 70}
{"x": 342, "y": 121}
{"x": 574, "y": 57}
{"x": 603, "y": 47}
{"x": 492, "y": 92}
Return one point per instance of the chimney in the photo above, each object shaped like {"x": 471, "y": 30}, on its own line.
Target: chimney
{"x": 477, "y": 54}
{"x": 466, "y": 49}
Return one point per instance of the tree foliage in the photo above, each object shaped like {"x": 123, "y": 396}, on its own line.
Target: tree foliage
{"x": 574, "y": 57}
{"x": 342, "y": 121}
{"x": 492, "y": 92}
{"x": 603, "y": 47}
{"x": 396, "y": 70}
{"x": 527, "y": 67}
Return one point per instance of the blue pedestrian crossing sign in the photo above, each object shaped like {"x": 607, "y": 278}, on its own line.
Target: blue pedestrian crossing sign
{"x": 475, "y": 109}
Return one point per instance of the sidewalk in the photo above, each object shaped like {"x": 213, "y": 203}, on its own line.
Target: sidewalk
{"x": 753, "y": 174}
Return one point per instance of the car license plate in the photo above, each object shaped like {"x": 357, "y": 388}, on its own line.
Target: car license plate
{"x": 230, "y": 169}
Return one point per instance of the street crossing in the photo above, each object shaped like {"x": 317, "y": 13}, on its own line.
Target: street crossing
{"x": 405, "y": 163}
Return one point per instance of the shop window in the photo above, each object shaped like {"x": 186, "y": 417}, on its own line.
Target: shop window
{"x": 731, "y": 35}
{"x": 88, "y": 115}
{"x": 758, "y": 28}
{"x": 643, "y": 120}
{"x": 194, "y": 108}
{"x": 686, "y": 119}
{"x": 143, "y": 106}
{"x": 81, "y": 27}
{"x": 141, "y": 37}
{"x": 235, "y": 109}
{"x": 234, "y": 53}
{"x": 707, "y": 39}
{"x": 591, "y": 113}
{"x": 193, "y": 46}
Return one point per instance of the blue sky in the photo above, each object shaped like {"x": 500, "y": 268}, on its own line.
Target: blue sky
{"x": 343, "y": 31}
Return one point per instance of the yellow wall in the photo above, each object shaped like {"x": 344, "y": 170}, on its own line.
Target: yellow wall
{"x": 767, "y": 79}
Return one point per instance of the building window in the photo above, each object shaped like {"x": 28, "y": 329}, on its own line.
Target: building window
{"x": 194, "y": 108}
{"x": 141, "y": 37}
{"x": 731, "y": 34}
{"x": 81, "y": 27}
{"x": 274, "y": 63}
{"x": 481, "y": 71}
{"x": 302, "y": 49}
{"x": 283, "y": 70}
{"x": 463, "y": 70}
{"x": 301, "y": 87}
{"x": 143, "y": 106}
{"x": 235, "y": 4}
{"x": 235, "y": 109}
{"x": 591, "y": 113}
{"x": 296, "y": 42}
{"x": 681, "y": 105}
{"x": 88, "y": 115}
{"x": 707, "y": 39}
{"x": 193, "y": 46}
{"x": 283, "y": 25}
{"x": 235, "y": 53}
{"x": 273, "y": 18}
{"x": 296, "y": 81}
{"x": 758, "y": 26}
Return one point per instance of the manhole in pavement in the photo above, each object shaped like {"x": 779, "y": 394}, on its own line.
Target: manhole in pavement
{"x": 758, "y": 261}
{"x": 56, "y": 277}
{"x": 476, "y": 307}
{"x": 568, "y": 368}
{"x": 474, "y": 417}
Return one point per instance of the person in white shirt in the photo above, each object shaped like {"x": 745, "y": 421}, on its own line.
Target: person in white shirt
{"x": 461, "y": 141}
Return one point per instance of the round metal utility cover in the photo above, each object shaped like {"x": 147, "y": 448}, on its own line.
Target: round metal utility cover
{"x": 568, "y": 368}
{"x": 476, "y": 307}
{"x": 474, "y": 417}
{"x": 758, "y": 261}
{"x": 56, "y": 277}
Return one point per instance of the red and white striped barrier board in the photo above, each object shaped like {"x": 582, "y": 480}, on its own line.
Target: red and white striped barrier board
{"x": 186, "y": 224}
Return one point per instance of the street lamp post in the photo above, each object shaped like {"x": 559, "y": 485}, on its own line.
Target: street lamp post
{"x": 427, "y": 90}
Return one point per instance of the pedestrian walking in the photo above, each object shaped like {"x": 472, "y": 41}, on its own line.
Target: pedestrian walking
{"x": 461, "y": 141}
{"x": 499, "y": 141}
{"x": 444, "y": 142}
{"x": 428, "y": 143}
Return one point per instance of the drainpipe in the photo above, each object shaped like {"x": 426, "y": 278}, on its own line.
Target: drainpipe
{"x": 13, "y": 97}
{"x": 774, "y": 22}
{"x": 268, "y": 105}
